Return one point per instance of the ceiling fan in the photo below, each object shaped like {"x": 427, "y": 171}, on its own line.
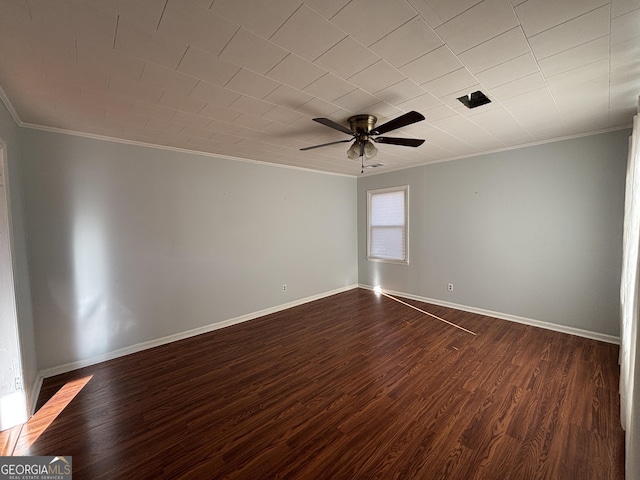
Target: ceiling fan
{"x": 364, "y": 133}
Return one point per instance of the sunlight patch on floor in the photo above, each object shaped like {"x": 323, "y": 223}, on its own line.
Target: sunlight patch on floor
{"x": 44, "y": 417}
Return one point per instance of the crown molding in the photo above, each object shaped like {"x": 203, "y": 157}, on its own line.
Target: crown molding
{"x": 9, "y": 105}
{"x": 507, "y": 149}
{"x": 105, "y": 138}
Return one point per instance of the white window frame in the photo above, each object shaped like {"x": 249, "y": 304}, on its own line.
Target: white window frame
{"x": 370, "y": 194}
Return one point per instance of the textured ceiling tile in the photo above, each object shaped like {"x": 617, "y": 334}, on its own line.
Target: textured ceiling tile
{"x": 161, "y": 77}
{"x": 329, "y": 87}
{"x": 327, "y": 8}
{"x": 253, "y": 106}
{"x": 55, "y": 52}
{"x": 204, "y": 66}
{"x": 437, "y": 12}
{"x": 574, "y": 101}
{"x": 469, "y": 132}
{"x": 368, "y": 21}
{"x": 378, "y": 76}
{"x": 421, "y": 103}
{"x": 215, "y": 94}
{"x": 195, "y": 131}
{"x": 251, "y": 121}
{"x": 538, "y": 15}
{"x": 535, "y": 81}
{"x": 124, "y": 118}
{"x": 82, "y": 19}
{"x": 181, "y": 102}
{"x": 527, "y": 99}
{"x": 508, "y": 71}
{"x": 625, "y": 27}
{"x": 400, "y": 92}
{"x": 347, "y": 58}
{"x": 504, "y": 47}
{"x": 148, "y": 46}
{"x": 152, "y": 110}
{"x": 190, "y": 119}
{"x": 356, "y": 101}
{"x": 198, "y": 26}
{"x": 106, "y": 99}
{"x": 164, "y": 125}
{"x": 223, "y": 126}
{"x": 219, "y": 113}
{"x": 572, "y": 80}
{"x": 262, "y": 17}
{"x": 145, "y": 13}
{"x": 288, "y": 97}
{"x": 583, "y": 29}
{"x": 253, "y": 52}
{"x": 106, "y": 60}
{"x": 81, "y": 75}
{"x": 581, "y": 55}
{"x": 480, "y": 23}
{"x": 448, "y": 142}
{"x": 296, "y": 72}
{"x": 620, "y": 7}
{"x": 625, "y": 54}
{"x": 252, "y": 84}
{"x": 438, "y": 113}
{"x": 452, "y": 82}
{"x": 544, "y": 117}
{"x": 384, "y": 111}
{"x": 408, "y": 42}
{"x": 283, "y": 115}
{"x": 502, "y": 126}
{"x": 307, "y": 34}
{"x": 432, "y": 65}
{"x": 318, "y": 108}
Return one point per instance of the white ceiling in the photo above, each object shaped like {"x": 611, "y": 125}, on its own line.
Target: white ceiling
{"x": 244, "y": 78}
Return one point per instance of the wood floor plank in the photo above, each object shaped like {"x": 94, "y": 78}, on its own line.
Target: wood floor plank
{"x": 350, "y": 386}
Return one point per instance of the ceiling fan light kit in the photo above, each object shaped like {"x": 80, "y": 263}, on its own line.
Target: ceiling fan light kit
{"x": 364, "y": 133}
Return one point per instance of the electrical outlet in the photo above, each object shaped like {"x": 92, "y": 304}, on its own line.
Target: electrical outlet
{"x": 450, "y": 287}
{"x": 284, "y": 288}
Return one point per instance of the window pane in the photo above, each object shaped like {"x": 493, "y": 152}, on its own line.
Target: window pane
{"x": 387, "y": 242}
{"x": 387, "y": 209}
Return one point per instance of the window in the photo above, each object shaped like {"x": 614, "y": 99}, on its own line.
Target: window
{"x": 387, "y": 224}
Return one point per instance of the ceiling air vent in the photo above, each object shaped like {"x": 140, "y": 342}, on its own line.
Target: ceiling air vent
{"x": 374, "y": 165}
{"x": 474, "y": 99}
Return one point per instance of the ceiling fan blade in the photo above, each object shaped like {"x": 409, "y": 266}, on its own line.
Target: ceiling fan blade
{"x": 402, "y": 121}
{"x": 325, "y": 144}
{"x": 332, "y": 124}
{"x": 407, "y": 142}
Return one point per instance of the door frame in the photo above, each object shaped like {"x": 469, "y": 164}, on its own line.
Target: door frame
{"x": 13, "y": 405}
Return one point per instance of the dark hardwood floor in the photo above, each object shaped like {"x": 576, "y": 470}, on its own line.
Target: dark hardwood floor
{"x": 353, "y": 386}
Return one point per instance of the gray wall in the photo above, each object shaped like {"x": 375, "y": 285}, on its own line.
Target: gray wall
{"x": 9, "y": 133}
{"x": 534, "y": 232}
{"x": 129, "y": 244}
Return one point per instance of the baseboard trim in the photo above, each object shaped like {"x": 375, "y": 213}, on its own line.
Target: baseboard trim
{"x": 35, "y": 393}
{"x": 506, "y": 316}
{"x": 53, "y": 371}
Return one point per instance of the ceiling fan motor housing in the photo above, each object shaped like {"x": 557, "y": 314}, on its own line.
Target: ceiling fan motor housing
{"x": 362, "y": 124}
